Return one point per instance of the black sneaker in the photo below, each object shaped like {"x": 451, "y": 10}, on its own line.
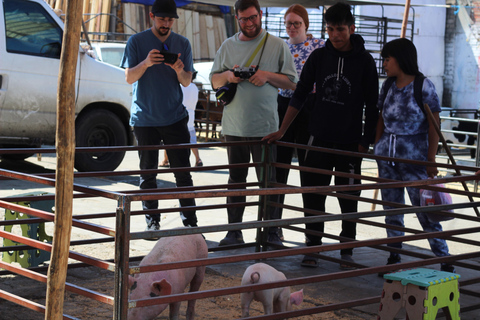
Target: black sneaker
{"x": 232, "y": 237}
{"x": 447, "y": 267}
{"x": 393, "y": 259}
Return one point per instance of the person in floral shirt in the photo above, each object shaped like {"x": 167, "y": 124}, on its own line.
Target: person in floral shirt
{"x": 301, "y": 44}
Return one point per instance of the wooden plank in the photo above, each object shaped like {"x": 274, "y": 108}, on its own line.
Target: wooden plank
{"x": 196, "y": 44}
{"x": 180, "y": 21}
{"x": 92, "y": 22}
{"x": 127, "y": 17}
{"x": 203, "y": 38}
{"x": 222, "y": 31}
{"x": 189, "y": 25}
{"x": 105, "y": 19}
{"x": 210, "y": 36}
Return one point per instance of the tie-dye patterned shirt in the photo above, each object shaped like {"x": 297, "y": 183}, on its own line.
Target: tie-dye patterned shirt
{"x": 401, "y": 113}
{"x": 300, "y": 53}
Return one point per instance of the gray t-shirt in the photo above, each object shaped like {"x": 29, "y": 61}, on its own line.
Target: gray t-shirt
{"x": 253, "y": 111}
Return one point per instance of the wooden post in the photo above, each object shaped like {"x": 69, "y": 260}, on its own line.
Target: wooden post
{"x": 405, "y": 19}
{"x": 65, "y": 144}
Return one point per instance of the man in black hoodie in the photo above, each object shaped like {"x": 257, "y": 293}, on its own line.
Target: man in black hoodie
{"x": 346, "y": 81}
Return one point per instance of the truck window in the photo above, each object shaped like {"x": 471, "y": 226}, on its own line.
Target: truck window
{"x": 31, "y": 30}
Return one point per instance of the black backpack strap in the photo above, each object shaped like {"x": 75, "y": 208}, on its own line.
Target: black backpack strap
{"x": 387, "y": 84}
{"x": 417, "y": 91}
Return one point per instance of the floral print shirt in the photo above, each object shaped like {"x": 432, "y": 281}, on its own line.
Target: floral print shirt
{"x": 301, "y": 52}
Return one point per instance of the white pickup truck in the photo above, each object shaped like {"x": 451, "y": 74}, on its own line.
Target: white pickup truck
{"x": 30, "y": 45}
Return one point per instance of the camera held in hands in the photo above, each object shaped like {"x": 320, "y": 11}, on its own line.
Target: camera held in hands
{"x": 169, "y": 57}
{"x": 244, "y": 72}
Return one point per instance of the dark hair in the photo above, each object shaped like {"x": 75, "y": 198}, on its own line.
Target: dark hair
{"x": 404, "y": 51}
{"x": 339, "y": 14}
{"x": 299, "y": 10}
{"x": 242, "y": 5}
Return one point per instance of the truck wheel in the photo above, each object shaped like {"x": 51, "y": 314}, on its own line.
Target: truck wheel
{"x": 99, "y": 128}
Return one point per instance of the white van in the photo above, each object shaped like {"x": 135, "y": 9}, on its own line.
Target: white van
{"x": 30, "y": 45}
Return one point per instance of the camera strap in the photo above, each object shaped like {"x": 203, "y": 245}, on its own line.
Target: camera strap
{"x": 260, "y": 45}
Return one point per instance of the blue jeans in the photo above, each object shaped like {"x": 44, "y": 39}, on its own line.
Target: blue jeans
{"x": 406, "y": 147}
{"x": 176, "y": 133}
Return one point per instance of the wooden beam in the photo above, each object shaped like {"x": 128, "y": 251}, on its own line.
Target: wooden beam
{"x": 196, "y": 44}
{"x": 405, "y": 19}
{"x": 210, "y": 36}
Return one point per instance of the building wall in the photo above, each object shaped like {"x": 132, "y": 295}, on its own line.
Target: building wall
{"x": 428, "y": 35}
{"x": 462, "y": 73}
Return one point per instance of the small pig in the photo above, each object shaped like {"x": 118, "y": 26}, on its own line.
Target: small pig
{"x": 273, "y": 300}
{"x": 167, "y": 282}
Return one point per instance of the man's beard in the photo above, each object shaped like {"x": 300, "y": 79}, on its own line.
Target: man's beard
{"x": 251, "y": 33}
{"x": 163, "y": 31}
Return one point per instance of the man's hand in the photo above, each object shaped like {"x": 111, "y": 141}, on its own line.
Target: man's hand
{"x": 231, "y": 76}
{"x": 154, "y": 57}
{"x": 272, "y": 137}
{"x": 177, "y": 66}
{"x": 259, "y": 78}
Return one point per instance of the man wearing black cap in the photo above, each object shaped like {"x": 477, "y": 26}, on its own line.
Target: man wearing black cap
{"x": 157, "y": 113}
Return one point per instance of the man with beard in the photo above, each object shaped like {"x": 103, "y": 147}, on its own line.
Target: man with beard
{"x": 346, "y": 93}
{"x": 252, "y": 113}
{"x": 157, "y": 114}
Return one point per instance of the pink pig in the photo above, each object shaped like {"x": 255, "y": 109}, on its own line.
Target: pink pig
{"x": 167, "y": 282}
{"x": 273, "y": 300}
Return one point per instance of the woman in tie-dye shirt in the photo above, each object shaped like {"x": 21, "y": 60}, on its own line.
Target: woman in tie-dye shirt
{"x": 301, "y": 45}
{"x": 404, "y": 132}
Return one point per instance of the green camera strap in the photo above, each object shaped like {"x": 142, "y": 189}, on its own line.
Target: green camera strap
{"x": 260, "y": 45}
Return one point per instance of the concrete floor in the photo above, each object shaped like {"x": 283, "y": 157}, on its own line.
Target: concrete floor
{"x": 339, "y": 290}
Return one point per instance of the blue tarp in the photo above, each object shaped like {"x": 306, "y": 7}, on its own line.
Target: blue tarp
{"x": 180, "y": 3}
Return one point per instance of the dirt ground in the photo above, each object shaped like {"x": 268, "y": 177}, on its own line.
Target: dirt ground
{"x": 101, "y": 281}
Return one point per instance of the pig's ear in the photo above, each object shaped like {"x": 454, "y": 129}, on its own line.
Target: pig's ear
{"x": 162, "y": 288}
{"x": 296, "y": 297}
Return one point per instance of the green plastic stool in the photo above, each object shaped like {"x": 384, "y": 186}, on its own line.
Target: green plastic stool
{"x": 421, "y": 292}
{"x": 33, "y": 257}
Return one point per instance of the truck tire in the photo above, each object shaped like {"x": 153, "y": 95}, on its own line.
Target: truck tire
{"x": 99, "y": 128}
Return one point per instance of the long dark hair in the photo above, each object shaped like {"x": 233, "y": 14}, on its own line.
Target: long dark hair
{"x": 404, "y": 51}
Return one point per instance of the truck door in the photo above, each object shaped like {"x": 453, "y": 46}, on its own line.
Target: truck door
{"x": 29, "y": 69}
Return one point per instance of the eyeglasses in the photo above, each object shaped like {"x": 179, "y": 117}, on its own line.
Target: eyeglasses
{"x": 251, "y": 18}
{"x": 296, "y": 24}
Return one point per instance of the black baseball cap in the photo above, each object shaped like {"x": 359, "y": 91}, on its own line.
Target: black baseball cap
{"x": 165, "y": 8}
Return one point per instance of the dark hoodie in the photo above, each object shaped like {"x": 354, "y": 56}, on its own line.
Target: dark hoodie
{"x": 346, "y": 81}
